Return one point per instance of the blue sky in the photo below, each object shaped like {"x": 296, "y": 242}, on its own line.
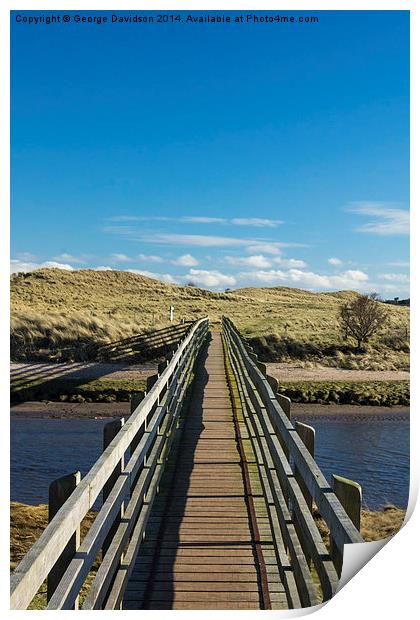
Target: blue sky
{"x": 225, "y": 155}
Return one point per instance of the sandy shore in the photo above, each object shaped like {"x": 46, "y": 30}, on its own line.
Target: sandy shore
{"x": 117, "y": 410}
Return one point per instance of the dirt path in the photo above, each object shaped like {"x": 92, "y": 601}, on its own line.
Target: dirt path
{"x": 289, "y": 373}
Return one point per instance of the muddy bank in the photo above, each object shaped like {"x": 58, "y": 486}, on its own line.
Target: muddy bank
{"x": 70, "y": 410}
{"x": 122, "y": 410}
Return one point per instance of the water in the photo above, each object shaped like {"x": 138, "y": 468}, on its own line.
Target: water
{"x": 370, "y": 449}
{"x": 44, "y": 449}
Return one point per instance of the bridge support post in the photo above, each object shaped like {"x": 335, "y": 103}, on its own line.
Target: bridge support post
{"x": 59, "y": 492}
{"x": 307, "y": 435}
{"x": 350, "y": 495}
{"x": 111, "y": 430}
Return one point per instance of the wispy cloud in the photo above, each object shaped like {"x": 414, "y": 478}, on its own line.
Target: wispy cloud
{"x": 202, "y": 220}
{"x": 258, "y": 222}
{"x": 395, "y": 277}
{"x": 400, "y": 263}
{"x": 388, "y": 219}
{"x": 205, "y": 240}
{"x": 335, "y": 261}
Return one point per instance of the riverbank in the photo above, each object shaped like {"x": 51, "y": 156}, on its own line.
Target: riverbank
{"x": 99, "y": 411}
{"x": 70, "y": 411}
{"x": 115, "y": 383}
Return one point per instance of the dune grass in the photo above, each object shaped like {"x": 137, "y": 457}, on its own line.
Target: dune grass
{"x": 61, "y": 311}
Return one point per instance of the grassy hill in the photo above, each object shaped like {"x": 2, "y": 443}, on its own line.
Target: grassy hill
{"x": 53, "y": 309}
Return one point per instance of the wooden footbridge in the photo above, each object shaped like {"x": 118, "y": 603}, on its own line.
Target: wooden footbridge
{"x": 210, "y": 498}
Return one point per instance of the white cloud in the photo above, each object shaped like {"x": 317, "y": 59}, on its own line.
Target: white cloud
{"x": 200, "y": 219}
{"x": 120, "y": 258}
{"x": 395, "y": 277}
{"x": 400, "y": 263}
{"x": 256, "y": 260}
{"x": 186, "y": 260}
{"x": 389, "y": 220}
{"x": 211, "y": 279}
{"x": 256, "y": 221}
{"x": 103, "y": 268}
{"x": 264, "y": 248}
{"x": 26, "y": 257}
{"x": 164, "y": 277}
{"x": 350, "y": 279}
{"x": 203, "y": 220}
{"x": 17, "y": 265}
{"x": 70, "y": 258}
{"x": 207, "y": 241}
{"x": 152, "y": 258}
{"x": 289, "y": 263}
{"x": 335, "y": 261}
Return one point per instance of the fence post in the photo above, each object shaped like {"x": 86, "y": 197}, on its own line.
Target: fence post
{"x": 110, "y": 431}
{"x": 350, "y": 495}
{"x": 59, "y": 491}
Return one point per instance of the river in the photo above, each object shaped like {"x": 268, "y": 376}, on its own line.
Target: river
{"x": 370, "y": 449}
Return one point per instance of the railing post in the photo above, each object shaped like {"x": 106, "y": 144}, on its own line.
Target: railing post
{"x": 59, "y": 492}
{"x": 307, "y": 435}
{"x": 350, "y": 495}
{"x": 135, "y": 400}
{"x": 111, "y": 430}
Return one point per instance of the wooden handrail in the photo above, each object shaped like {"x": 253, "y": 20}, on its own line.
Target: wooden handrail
{"x": 35, "y": 566}
{"x": 343, "y": 530}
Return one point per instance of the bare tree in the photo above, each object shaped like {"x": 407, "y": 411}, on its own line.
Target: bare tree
{"x": 362, "y": 318}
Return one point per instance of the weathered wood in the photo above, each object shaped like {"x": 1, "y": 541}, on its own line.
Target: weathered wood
{"x": 111, "y": 430}
{"x": 59, "y": 492}
{"x": 350, "y": 495}
{"x": 37, "y": 563}
{"x": 307, "y": 435}
{"x": 135, "y": 400}
{"x": 341, "y": 527}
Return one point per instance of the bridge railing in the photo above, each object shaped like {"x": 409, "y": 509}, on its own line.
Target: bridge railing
{"x": 291, "y": 479}
{"x": 142, "y": 346}
{"x": 130, "y": 489}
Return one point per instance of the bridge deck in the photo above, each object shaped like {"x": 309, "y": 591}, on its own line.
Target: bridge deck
{"x": 208, "y": 542}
